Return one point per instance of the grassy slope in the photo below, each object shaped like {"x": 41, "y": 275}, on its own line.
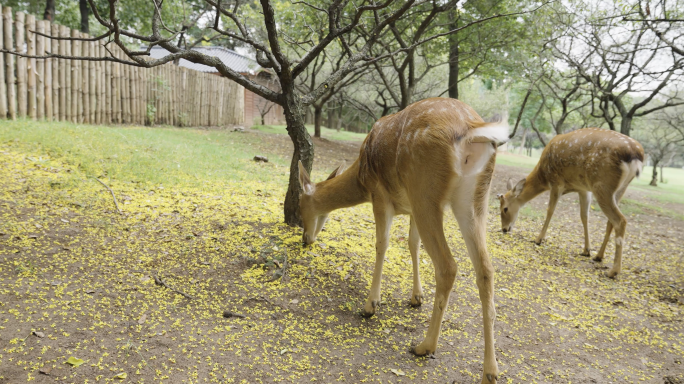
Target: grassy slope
{"x": 140, "y": 154}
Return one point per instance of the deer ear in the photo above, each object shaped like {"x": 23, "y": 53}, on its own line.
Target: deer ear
{"x": 509, "y": 184}
{"x": 519, "y": 187}
{"x": 304, "y": 180}
{"x": 338, "y": 171}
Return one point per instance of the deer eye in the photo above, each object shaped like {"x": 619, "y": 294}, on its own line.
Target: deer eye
{"x": 506, "y": 210}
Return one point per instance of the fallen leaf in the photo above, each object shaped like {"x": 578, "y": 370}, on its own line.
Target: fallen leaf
{"x": 294, "y": 301}
{"x": 397, "y": 372}
{"x": 39, "y": 334}
{"x": 142, "y": 319}
{"x": 121, "y": 375}
{"x": 75, "y": 362}
{"x": 45, "y": 370}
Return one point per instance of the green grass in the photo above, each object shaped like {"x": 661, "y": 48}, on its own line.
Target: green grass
{"x": 146, "y": 155}
{"x": 672, "y": 191}
{"x": 326, "y": 133}
{"x": 515, "y": 160}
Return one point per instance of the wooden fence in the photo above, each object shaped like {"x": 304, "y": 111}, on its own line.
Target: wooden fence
{"x": 102, "y": 92}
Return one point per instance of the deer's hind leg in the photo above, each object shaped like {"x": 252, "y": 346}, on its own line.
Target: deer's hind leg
{"x": 430, "y": 226}
{"x": 585, "y": 204}
{"x": 472, "y": 221}
{"x": 414, "y": 248}
{"x": 617, "y": 221}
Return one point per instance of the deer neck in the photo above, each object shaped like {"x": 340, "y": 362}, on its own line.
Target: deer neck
{"x": 533, "y": 187}
{"x": 341, "y": 191}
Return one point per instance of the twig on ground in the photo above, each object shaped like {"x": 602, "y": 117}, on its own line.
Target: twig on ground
{"x": 158, "y": 280}
{"x": 116, "y": 203}
{"x": 229, "y": 314}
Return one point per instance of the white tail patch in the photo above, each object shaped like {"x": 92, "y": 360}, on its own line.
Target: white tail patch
{"x": 490, "y": 133}
{"x": 629, "y": 171}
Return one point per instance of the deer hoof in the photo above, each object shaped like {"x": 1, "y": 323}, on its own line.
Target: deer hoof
{"x": 598, "y": 259}
{"x": 611, "y": 274}
{"x": 537, "y": 242}
{"x": 422, "y": 350}
{"x": 416, "y": 300}
{"x": 489, "y": 378}
{"x": 586, "y": 253}
{"x": 369, "y": 308}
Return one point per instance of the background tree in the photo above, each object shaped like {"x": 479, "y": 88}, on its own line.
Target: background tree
{"x": 261, "y": 28}
{"x": 625, "y": 63}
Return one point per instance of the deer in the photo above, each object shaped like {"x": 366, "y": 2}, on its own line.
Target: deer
{"x": 435, "y": 153}
{"x": 591, "y": 162}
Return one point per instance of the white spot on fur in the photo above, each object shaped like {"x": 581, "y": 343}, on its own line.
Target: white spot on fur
{"x": 618, "y": 241}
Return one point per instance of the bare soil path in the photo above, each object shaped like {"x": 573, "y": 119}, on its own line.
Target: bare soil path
{"x": 79, "y": 280}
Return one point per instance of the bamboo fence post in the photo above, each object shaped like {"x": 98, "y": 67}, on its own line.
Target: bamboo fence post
{"x": 109, "y": 87}
{"x": 54, "y": 72}
{"x": 138, "y": 96}
{"x": 47, "y": 73}
{"x": 125, "y": 77}
{"x": 84, "y": 84}
{"x": 145, "y": 94}
{"x": 116, "y": 92}
{"x": 21, "y": 65}
{"x": 3, "y": 83}
{"x": 174, "y": 99}
{"x": 127, "y": 92}
{"x": 84, "y": 104}
{"x": 64, "y": 77}
{"x": 9, "y": 63}
{"x": 31, "y": 68}
{"x": 100, "y": 85}
{"x": 76, "y": 106}
{"x": 40, "y": 68}
{"x": 95, "y": 85}
{"x": 134, "y": 96}
{"x": 92, "y": 89}
{"x": 165, "y": 93}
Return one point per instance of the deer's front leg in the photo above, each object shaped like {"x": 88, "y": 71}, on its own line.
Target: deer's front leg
{"x": 585, "y": 204}
{"x": 553, "y": 199}
{"x": 383, "y": 222}
{"x": 414, "y": 248}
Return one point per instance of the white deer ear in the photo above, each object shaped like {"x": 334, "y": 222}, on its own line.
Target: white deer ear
{"x": 304, "y": 180}
{"x": 519, "y": 187}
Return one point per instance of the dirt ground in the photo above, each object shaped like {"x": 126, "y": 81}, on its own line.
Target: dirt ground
{"x": 187, "y": 286}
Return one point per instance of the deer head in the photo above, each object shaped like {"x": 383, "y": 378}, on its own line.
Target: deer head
{"x": 510, "y": 204}
{"x": 311, "y": 211}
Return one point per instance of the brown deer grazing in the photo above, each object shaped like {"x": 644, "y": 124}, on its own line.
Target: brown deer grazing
{"x": 434, "y": 153}
{"x": 587, "y": 161}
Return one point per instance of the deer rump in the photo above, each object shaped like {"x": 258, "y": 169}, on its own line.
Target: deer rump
{"x": 444, "y": 138}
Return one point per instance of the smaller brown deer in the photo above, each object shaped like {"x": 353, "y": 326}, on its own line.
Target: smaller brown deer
{"x": 587, "y": 161}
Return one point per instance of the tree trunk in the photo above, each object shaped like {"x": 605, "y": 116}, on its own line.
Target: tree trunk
{"x": 331, "y": 115}
{"x": 661, "y": 172}
{"x": 626, "y": 125}
{"x": 318, "y": 118}
{"x": 263, "y": 119}
{"x": 453, "y": 58}
{"x": 85, "y": 12}
{"x": 654, "y": 179}
{"x": 49, "y": 13}
{"x": 522, "y": 142}
{"x": 303, "y": 150}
